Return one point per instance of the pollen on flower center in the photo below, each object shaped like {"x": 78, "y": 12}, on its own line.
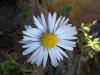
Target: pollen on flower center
{"x": 49, "y": 40}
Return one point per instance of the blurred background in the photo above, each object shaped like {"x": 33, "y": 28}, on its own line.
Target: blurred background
{"x": 14, "y": 14}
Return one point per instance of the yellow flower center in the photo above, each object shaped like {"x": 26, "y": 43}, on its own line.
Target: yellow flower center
{"x": 49, "y": 40}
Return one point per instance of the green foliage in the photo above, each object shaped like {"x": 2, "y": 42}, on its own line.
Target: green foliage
{"x": 90, "y": 44}
{"x": 4, "y": 66}
{"x": 8, "y": 65}
{"x": 66, "y": 9}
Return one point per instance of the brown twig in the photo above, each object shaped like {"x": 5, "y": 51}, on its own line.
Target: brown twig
{"x": 37, "y": 8}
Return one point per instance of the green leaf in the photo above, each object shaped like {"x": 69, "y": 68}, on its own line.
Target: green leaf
{"x": 5, "y": 67}
{"x": 97, "y": 47}
{"x": 96, "y": 40}
{"x": 66, "y": 9}
{"x": 8, "y": 65}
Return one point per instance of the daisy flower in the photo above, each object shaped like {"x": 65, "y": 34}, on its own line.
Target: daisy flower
{"x": 48, "y": 39}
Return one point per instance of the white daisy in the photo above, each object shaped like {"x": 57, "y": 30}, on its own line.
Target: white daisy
{"x": 48, "y": 39}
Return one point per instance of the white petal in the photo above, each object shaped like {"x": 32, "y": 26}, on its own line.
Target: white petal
{"x": 59, "y": 56}
{"x": 33, "y": 32}
{"x": 62, "y": 52}
{"x": 62, "y": 22}
{"x": 53, "y": 21}
{"x": 53, "y": 58}
{"x": 43, "y": 21}
{"x": 68, "y": 43}
{"x": 56, "y": 54}
{"x": 30, "y": 49}
{"x": 35, "y": 54}
{"x": 39, "y": 19}
{"x": 60, "y": 30}
{"x": 50, "y": 23}
{"x": 67, "y": 33}
{"x": 27, "y": 38}
{"x": 66, "y": 30}
{"x": 71, "y": 31}
{"x": 66, "y": 21}
{"x": 57, "y": 23}
{"x": 54, "y": 17}
{"x": 68, "y": 25}
{"x": 66, "y": 37}
{"x": 65, "y": 46}
{"x": 37, "y": 57}
{"x": 45, "y": 58}
{"x": 40, "y": 58}
{"x": 28, "y": 27}
{"x": 38, "y": 24}
{"x": 25, "y": 42}
{"x": 35, "y": 44}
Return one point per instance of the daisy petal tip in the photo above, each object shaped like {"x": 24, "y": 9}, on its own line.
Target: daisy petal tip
{"x": 42, "y": 14}
{"x": 34, "y": 18}
{"x": 55, "y": 13}
{"x": 67, "y": 19}
{"x": 66, "y": 56}
{"x": 44, "y": 66}
{"x": 23, "y": 32}
{"x": 24, "y": 53}
{"x": 29, "y": 61}
{"x": 37, "y": 65}
{"x": 20, "y": 41}
{"x": 71, "y": 49}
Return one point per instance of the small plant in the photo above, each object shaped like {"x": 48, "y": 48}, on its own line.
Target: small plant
{"x": 90, "y": 44}
{"x": 11, "y": 65}
{"x": 66, "y": 9}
